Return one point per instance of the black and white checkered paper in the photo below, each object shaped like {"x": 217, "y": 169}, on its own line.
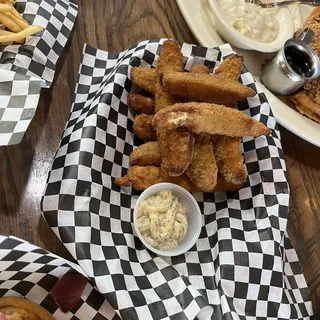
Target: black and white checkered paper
{"x": 31, "y": 272}
{"x": 243, "y": 264}
{"x": 19, "y": 96}
{"x": 37, "y": 57}
{"x": 33, "y": 61}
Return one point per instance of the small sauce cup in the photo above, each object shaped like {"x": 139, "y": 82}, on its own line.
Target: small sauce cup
{"x": 194, "y": 217}
{"x": 294, "y": 65}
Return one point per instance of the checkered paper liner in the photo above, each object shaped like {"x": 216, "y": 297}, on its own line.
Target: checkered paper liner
{"x": 243, "y": 264}
{"x": 37, "y": 57}
{"x": 19, "y": 96}
{"x": 31, "y": 272}
{"x": 31, "y": 65}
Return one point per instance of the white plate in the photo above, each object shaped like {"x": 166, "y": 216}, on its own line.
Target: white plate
{"x": 200, "y": 20}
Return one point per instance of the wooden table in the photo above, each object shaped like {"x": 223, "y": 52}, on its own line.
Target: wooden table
{"x": 115, "y": 25}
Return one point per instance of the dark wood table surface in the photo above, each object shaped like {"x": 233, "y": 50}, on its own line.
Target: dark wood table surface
{"x": 115, "y": 25}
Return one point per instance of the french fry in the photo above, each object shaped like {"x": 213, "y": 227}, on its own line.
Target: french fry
{"x": 14, "y": 11}
{"x": 19, "y": 22}
{"x": 4, "y": 33}
{"x": 9, "y": 23}
{"x": 17, "y": 14}
{"x": 20, "y": 35}
{"x": 12, "y": 2}
{"x": 5, "y": 7}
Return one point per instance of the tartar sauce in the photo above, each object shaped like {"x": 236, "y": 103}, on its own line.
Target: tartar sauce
{"x": 250, "y": 20}
{"x": 162, "y": 220}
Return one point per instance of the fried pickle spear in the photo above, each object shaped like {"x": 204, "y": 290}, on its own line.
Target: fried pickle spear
{"x": 223, "y": 185}
{"x": 229, "y": 159}
{"x": 145, "y": 78}
{"x": 142, "y": 178}
{"x": 235, "y": 69}
{"x": 200, "y": 68}
{"x": 170, "y": 57}
{"x": 203, "y": 169}
{"x": 122, "y": 181}
{"x": 208, "y": 118}
{"x": 176, "y": 149}
{"x": 143, "y": 128}
{"x": 145, "y": 155}
{"x": 203, "y": 87}
{"x": 140, "y": 103}
{"x": 170, "y": 60}
{"x": 228, "y": 149}
{"x": 230, "y": 68}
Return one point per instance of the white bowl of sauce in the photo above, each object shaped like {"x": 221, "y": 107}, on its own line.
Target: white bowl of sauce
{"x": 167, "y": 219}
{"x": 247, "y": 26}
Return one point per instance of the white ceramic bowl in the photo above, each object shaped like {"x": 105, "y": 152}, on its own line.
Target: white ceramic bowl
{"x": 236, "y": 39}
{"x": 193, "y": 215}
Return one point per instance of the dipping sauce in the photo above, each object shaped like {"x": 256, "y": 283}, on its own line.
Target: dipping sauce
{"x": 162, "y": 220}
{"x": 250, "y": 20}
{"x": 299, "y": 61}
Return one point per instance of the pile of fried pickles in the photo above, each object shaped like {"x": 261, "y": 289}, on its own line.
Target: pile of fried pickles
{"x": 191, "y": 125}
